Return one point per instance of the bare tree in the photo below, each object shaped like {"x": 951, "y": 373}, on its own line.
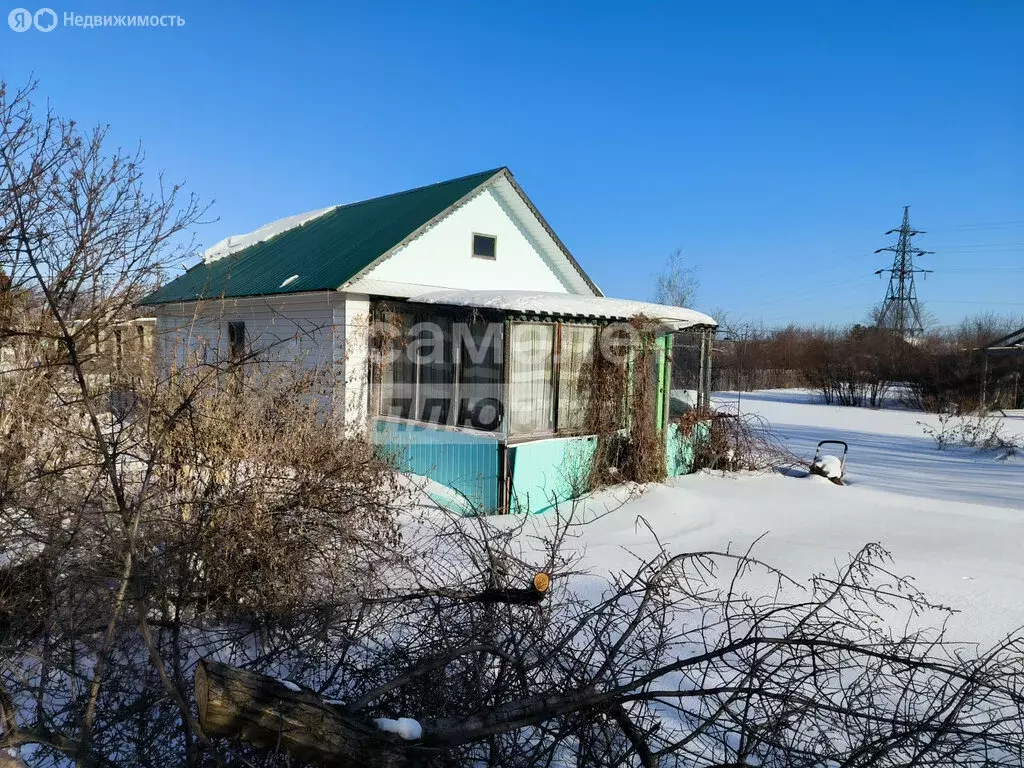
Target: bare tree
{"x": 676, "y": 285}
{"x": 141, "y": 529}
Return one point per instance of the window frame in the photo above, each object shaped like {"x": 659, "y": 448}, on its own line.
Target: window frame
{"x": 418, "y": 315}
{"x": 556, "y": 341}
{"x": 691, "y": 353}
{"x": 597, "y": 328}
{"x": 557, "y": 429}
{"x": 447, "y": 347}
{"x": 500, "y": 361}
{"x": 472, "y": 246}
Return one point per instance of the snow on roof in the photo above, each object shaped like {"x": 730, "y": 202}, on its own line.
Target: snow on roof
{"x": 571, "y": 304}
{"x": 234, "y": 243}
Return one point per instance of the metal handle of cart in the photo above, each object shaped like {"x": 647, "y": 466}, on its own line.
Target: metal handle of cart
{"x": 842, "y": 459}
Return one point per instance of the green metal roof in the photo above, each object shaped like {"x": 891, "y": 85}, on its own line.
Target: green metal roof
{"x": 325, "y": 252}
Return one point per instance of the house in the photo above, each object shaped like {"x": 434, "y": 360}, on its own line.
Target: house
{"x": 113, "y": 350}
{"x": 1000, "y": 377}
{"x": 456, "y": 325}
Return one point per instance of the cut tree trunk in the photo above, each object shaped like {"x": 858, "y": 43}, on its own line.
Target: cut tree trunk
{"x": 239, "y": 704}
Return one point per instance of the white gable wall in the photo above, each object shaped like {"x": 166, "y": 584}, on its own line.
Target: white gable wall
{"x": 442, "y": 256}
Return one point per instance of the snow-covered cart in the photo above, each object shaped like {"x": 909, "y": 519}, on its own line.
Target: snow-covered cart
{"x": 830, "y": 467}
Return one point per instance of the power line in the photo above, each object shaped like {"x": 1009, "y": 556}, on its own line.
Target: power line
{"x": 1003, "y": 270}
{"x": 992, "y": 303}
{"x": 990, "y": 247}
{"x": 982, "y": 225}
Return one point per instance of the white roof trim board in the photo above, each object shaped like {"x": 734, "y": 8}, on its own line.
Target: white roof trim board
{"x": 567, "y": 304}
{"x": 540, "y": 233}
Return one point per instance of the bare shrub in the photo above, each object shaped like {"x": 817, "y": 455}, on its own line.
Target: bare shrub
{"x": 853, "y": 367}
{"x": 605, "y": 378}
{"x": 945, "y": 371}
{"x": 224, "y": 510}
{"x": 861, "y": 365}
{"x": 749, "y": 357}
{"x": 645, "y": 454}
{"x": 688, "y": 659}
{"x": 733, "y": 442}
{"x": 984, "y": 433}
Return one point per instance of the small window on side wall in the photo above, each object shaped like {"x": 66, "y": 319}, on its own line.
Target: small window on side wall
{"x": 236, "y": 341}
{"x": 485, "y": 246}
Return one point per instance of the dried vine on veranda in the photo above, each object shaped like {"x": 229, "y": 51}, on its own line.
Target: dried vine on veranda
{"x": 620, "y": 392}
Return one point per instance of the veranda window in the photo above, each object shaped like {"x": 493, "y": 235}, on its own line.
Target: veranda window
{"x": 547, "y": 388}
{"x": 689, "y": 368}
{"x": 480, "y": 380}
{"x": 442, "y": 370}
{"x": 445, "y": 370}
{"x": 399, "y": 374}
{"x": 531, "y": 394}
{"x": 431, "y": 348}
{"x": 579, "y": 344}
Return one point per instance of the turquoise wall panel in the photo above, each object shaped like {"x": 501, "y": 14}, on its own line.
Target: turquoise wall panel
{"x": 546, "y": 473}
{"x": 679, "y": 448}
{"x": 467, "y": 463}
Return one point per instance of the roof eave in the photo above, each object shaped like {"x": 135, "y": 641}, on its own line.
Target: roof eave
{"x": 528, "y": 314}
{"x": 234, "y": 297}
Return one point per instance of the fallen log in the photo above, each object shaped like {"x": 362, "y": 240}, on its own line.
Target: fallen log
{"x": 247, "y": 706}
{"x": 239, "y": 704}
{"x": 268, "y": 713}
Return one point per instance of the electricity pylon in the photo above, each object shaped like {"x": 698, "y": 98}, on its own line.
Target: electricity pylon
{"x": 901, "y": 311}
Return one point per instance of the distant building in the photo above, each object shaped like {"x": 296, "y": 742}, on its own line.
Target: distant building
{"x": 1001, "y": 371}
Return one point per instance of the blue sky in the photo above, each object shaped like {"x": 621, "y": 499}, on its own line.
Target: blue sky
{"x": 773, "y": 142}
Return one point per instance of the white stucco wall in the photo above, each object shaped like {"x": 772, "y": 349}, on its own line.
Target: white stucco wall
{"x": 442, "y": 256}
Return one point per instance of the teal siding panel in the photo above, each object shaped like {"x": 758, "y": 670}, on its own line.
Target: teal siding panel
{"x": 464, "y": 462}
{"x": 679, "y": 448}
{"x": 546, "y": 473}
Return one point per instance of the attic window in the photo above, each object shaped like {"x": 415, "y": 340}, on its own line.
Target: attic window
{"x": 485, "y": 246}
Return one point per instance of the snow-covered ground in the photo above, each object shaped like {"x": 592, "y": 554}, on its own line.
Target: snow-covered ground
{"x": 953, "y": 519}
